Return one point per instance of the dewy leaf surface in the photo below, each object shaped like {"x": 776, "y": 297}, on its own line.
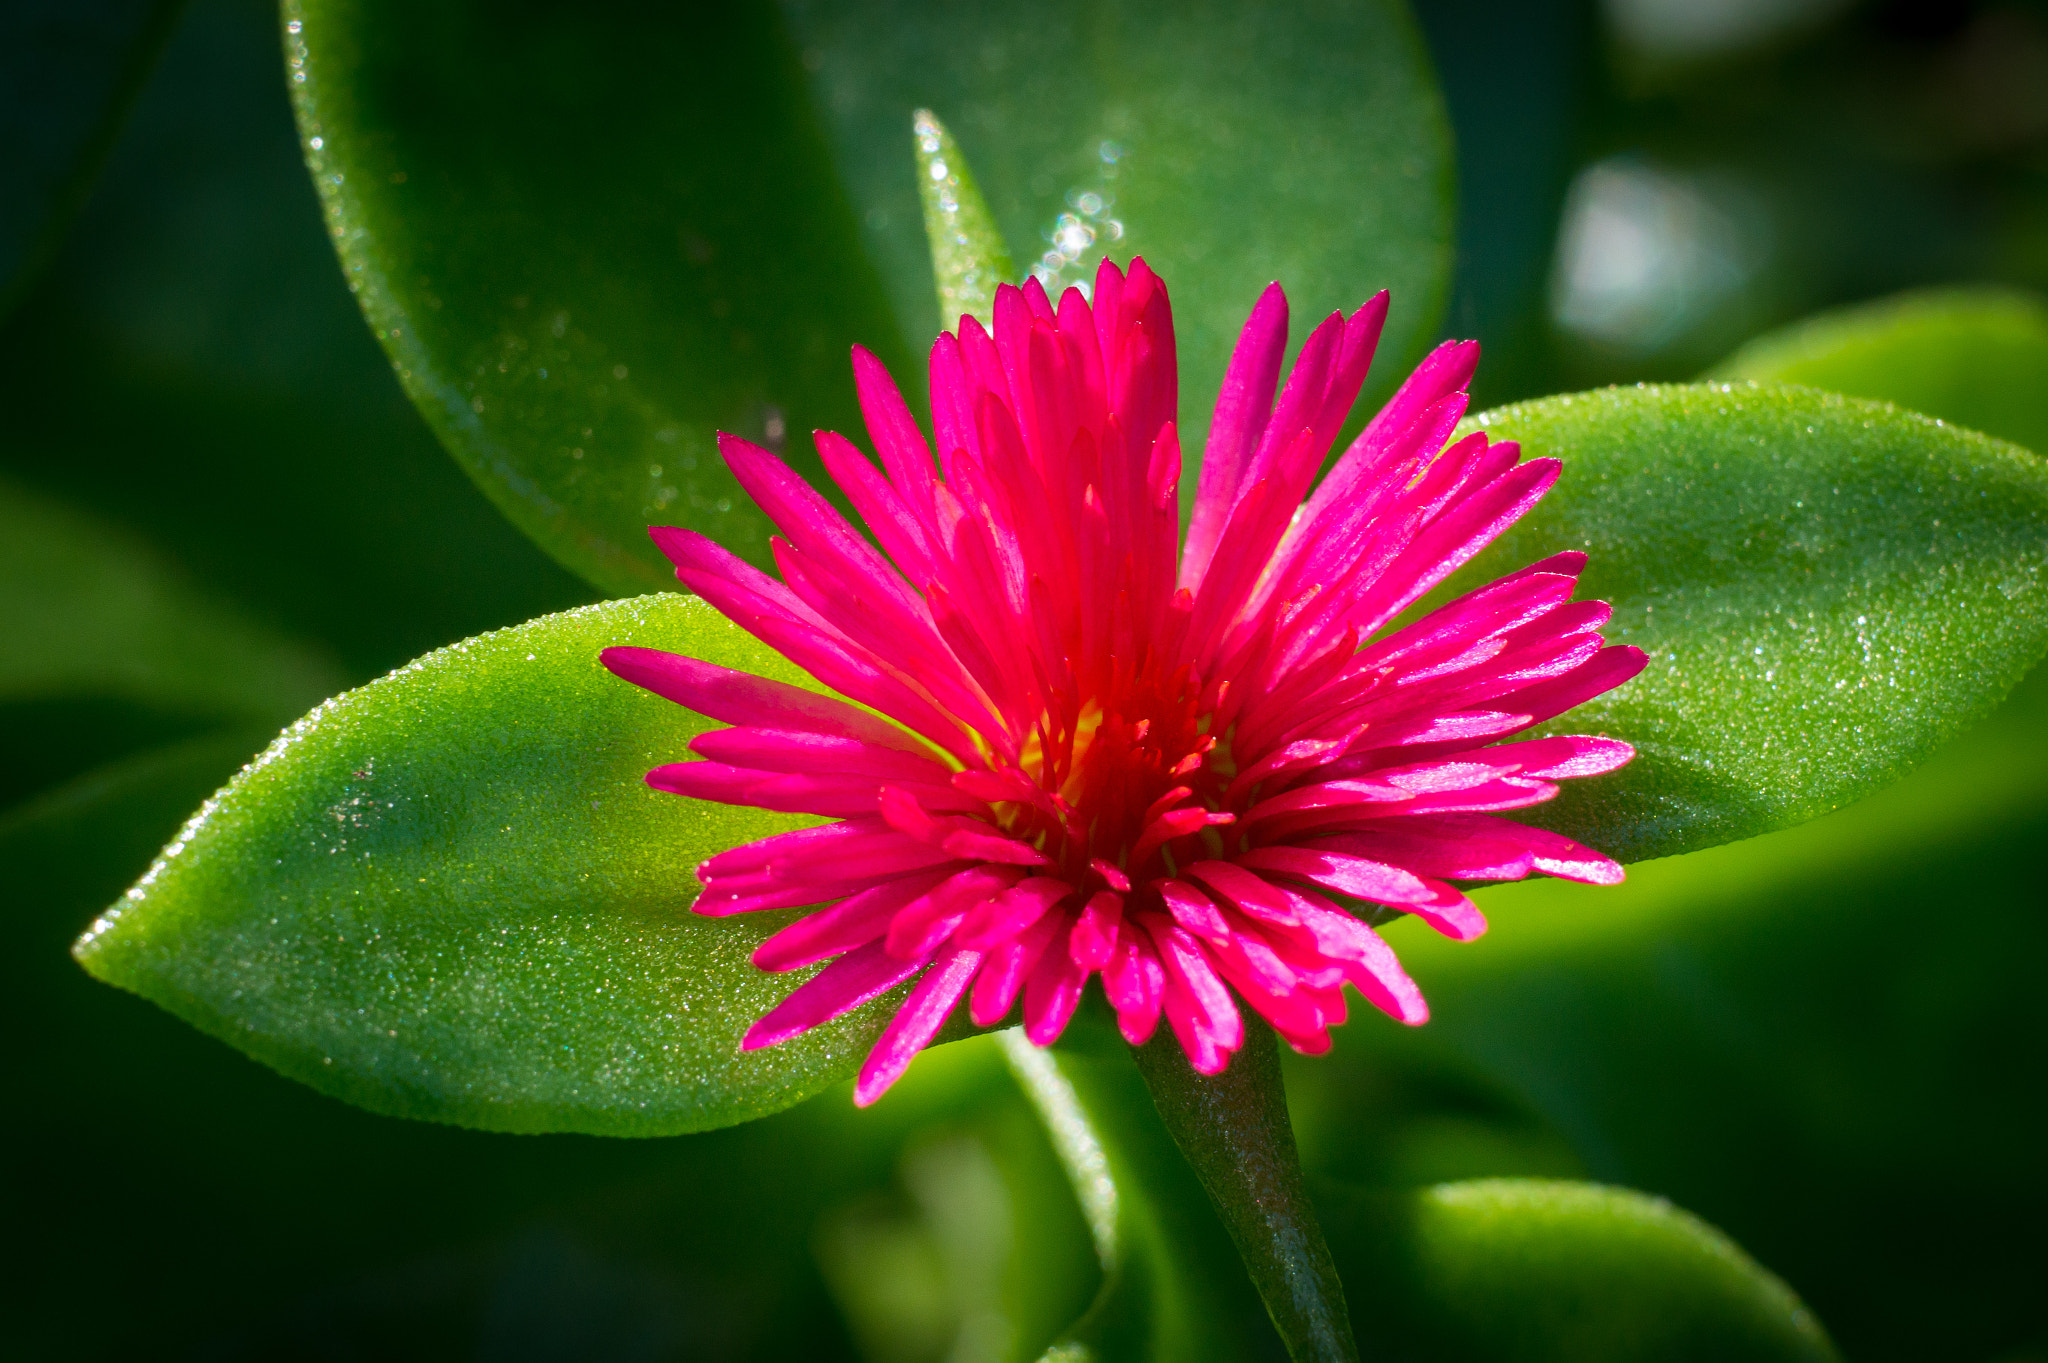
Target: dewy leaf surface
{"x": 449, "y": 895}
{"x": 591, "y": 238}
{"x": 1828, "y": 588}
{"x": 1977, "y": 357}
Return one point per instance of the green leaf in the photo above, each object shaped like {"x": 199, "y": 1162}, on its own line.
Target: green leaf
{"x": 969, "y": 259}
{"x": 1532, "y": 1270}
{"x": 1975, "y": 357}
{"x": 1827, "y": 588}
{"x": 90, "y": 611}
{"x": 69, "y": 70}
{"x": 590, "y": 239}
{"x": 449, "y": 895}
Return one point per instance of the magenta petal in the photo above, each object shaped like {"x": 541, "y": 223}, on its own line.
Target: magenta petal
{"x": 1135, "y": 982}
{"x": 1609, "y": 668}
{"x": 851, "y": 922}
{"x": 901, "y": 444}
{"x": 841, "y": 987}
{"x": 1243, "y": 407}
{"x": 1094, "y": 934}
{"x": 824, "y": 855}
{"x": 1566, "y": 756}
{"x": 915, "y": 1023}
{"x": 1197, "y": 1004}
{"x": 811, "y": 753}
{"x": 1194, "y": 910}
{"x": 999, "y": 919}
{"x": 921, "y": 924}
{"x": 1436, "y": 904}
{"x": 955, "y": 834}
{"x": 1003, "y": 973}
{"x": 740, "y": 698}
{"x": 1374, "y": 970}
{"x": 830, "y": 794}
{"x": 1256, "y": 896}
{"x": 1051, "y": 993}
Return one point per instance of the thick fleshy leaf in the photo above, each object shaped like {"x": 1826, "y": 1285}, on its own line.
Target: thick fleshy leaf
{"x": 1536, "y": 1270}
{"x": 1975, "y": 357}
{"x": 1827, "y": 588}
{"x": 970, "y": 259}
{"x": 450, "y": 895}
{"x": 1775, "y": 1034}
{"x": 590, "y": 238}
{"x": 69, "y": 70}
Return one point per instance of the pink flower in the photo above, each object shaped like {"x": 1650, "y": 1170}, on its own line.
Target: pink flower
{"x": 1070, "y": 756}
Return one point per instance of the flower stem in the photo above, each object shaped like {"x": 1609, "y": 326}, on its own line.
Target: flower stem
{"x": 1233, "y": 1129}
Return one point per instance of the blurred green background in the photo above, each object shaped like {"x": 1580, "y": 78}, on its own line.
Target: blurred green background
{"x": 1826, "y": 1042}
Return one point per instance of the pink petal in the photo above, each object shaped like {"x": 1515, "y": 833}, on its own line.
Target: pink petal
{"x": 740, "y": 698}
{"x": 955, "y": 834}
{"x": 1050, "y": 995}
{"x": 1608, "y": 669}
{"x": 829, "y": 794}
{"x": 1197, "y": 1004}
{"x": 1566, "y": 756}
{"x": 1135, "y": 981}
{"x": 904, "y": 535}
{"x": 1194, "y": 910}
{"x": 846, "y": 984}
{"x": 901, "y": 444}
{"x": 915, "y": 1024}
{"x": 1373, "y": 968}
{"x": 852, "y": 922}
{"x": 1256, "y": 896}
{"x": 766, "y": 749}
{"x": 924, "y": 922}
{"x": 1011, "y": 912}
{"x": 1436, "y": 904}
{"x": 1093, "y": 937}
{"x": 1243, "y": 408}
{"x": 1003, "y": 974}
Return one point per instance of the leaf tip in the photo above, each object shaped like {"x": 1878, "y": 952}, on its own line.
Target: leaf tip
{"x": 969, "y": 259}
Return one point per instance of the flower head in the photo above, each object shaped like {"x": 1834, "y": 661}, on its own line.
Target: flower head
{"x": 1073, "y": 753}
